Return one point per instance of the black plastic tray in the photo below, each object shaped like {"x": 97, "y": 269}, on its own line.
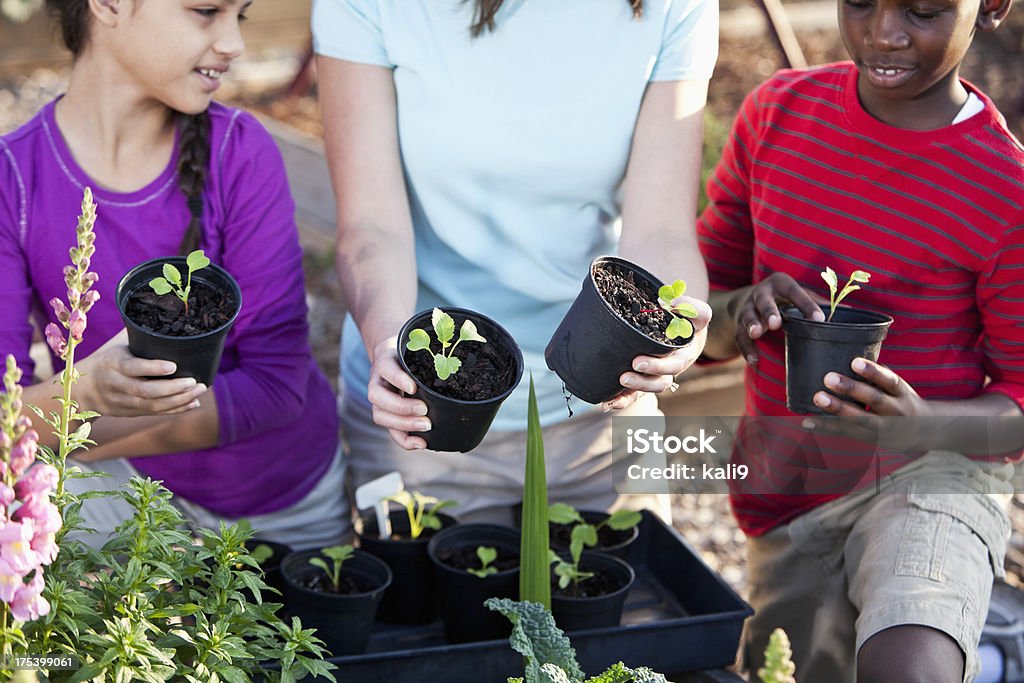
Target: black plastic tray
{"x": 680, "y": 617}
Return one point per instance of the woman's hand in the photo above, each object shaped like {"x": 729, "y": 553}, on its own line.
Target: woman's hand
{"x": 398, "y": 414}
{"x": 656, "y": 375}
{"x": 114, "y": 383}
{"x": 759, "y": 313}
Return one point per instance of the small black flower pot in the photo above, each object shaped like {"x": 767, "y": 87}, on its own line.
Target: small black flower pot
{"x": 458, "y": 424}
{"x": 610, "y": 541}
{"x": 196, "y": 355}
{"x": 413, "y": 596}
{"x": 463, "y": 613}
{"x": 813, "y": 349}
{"x": 598, "y": 610}
{"x": 271, "y": 566}
{"x": 594, "y": 345}
{"x": 342, "y": 620}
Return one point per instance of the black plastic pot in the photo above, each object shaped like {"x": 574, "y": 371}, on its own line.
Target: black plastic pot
{"x": 458, "y": 425}
{"x": 595, "y": 517}
{"x": 594, "y": 345}
{"x": 813, "y": 349}
{"x": 463, "y": 613}
{"x": 196, "y": 356}
{"x": 342, "y": 621}
{"x": 271, "y": 566}
{"x": 574, "y": 614}
{"x": 413, "y": 596}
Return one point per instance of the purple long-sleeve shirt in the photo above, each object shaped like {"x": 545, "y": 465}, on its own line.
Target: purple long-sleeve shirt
{"x": 278, "y": 424}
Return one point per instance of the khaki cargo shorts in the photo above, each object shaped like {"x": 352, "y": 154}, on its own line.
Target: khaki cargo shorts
{"x": 920, "y": 548}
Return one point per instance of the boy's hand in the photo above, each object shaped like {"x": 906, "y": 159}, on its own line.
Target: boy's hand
{"x": 759, "y": 314}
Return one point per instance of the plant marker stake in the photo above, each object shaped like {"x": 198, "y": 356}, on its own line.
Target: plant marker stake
{"x": 373, "y": 493}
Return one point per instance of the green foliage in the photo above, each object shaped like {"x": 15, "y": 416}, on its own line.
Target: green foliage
{"x": 445, "y": 364}
{"x": 829, "y": 276}
{"x": 422, "y": 510}
{"x": 679, "y": 326}
{"x": 534, "y": 563}
{"x": 337, "y": 554}
{"x": 154, "y": 605}
{"x": 583, "y": 535}
{"x": 549, "y": 655}
{"x": 486, "y": 555}
{"x": 171, "y": 281}
{"x": 778, "y": 663}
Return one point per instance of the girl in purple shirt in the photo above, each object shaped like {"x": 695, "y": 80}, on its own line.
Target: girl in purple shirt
{"x": 171, "y": 172}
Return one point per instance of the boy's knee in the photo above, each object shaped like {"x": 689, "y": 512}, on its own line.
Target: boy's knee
{"x": 910, "y": 654}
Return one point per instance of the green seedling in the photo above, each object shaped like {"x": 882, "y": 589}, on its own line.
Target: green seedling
{"x": 421, "y": 517}
{"x": 568, "y": 571}
{"x": 445, "y": 364}
{"x": 487, "y": 555}
{"x": 778, "y": 660}
{"x": 583, "y": 535}
{"x": 679, "y": 327}
{"x": 829, "y": 276}
{"x": 337, "y": 554}
{"x": 171, "y": 281}
{"x": 261, "y": 553}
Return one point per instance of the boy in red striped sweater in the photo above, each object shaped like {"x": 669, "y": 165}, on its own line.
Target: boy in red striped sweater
{"x": 894, "y": 165}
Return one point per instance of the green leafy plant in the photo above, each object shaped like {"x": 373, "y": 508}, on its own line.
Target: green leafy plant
{"x": 778, "y": 663}
{"x": 445, "y": 363}
{"x": 337, "y": 554}
{"x": 548, "y": 653}
{"x": 534, "y": 560}
{"x": 487, "y": 555}
{"x": 171, "y": 281}
{"x": 679, "y": 326}
{"x": 583, "y": 535}
{"x": 829, "y": 276}
{"x": 422, "y": 510}
{"x": 568, "y": 571}
{"x": 152, "y": 604}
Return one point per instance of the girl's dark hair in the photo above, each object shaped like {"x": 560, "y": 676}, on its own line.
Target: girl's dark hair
{"x": 193, "y": 143}
{"x": 485, "y": 10}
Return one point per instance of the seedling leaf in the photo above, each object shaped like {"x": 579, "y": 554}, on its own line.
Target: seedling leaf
{"x": 469, "y": 333}
{"x": 486, "y": 555}
{"x": 623, "y": 519}
{"x": 860, "y": 276}
{"x": 196, "y": 260}
{"x": 172, "y": 274}
{"x": 829, "y": 276}
{"x": 444, "y": 326}
{"x": 668, "y": 293}
{"x": 418, "y": 340}
{"x": 562, "y": 513}
{"x": 679, "y": 328}
{"x": 160, "y": 286}
{"x": 445, "y": 367}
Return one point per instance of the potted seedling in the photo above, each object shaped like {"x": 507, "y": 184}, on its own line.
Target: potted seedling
{"x": 608, "y": 533}
{"x": 813, "y": 349}
{"x": 588, "y": 589}
{"x": 474, "y": 562}
{"x": 180, "y": 309}
{"x": 621, "y": 312}
{"x": 412, "y": 597}
{"x": 463, "y": 376}
{"x": 336, "y": 590}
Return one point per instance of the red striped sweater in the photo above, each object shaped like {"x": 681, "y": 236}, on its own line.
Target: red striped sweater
{"x": 809, "y": 179}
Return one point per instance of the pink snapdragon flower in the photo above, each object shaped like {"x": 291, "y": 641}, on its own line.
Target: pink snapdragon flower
{"x": 28, "y": 603}
{"x": 55, "y": 338}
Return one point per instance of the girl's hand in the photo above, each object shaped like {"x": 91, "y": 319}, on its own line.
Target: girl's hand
{"x": 391, "y": 410}
{"x": 759, "y": 313}
{"x": 655, "y": 374}
{"x": 114, "y": 383}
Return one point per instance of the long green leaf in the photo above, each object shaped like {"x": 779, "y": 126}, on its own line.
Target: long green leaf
{"x": 534, "y": 572}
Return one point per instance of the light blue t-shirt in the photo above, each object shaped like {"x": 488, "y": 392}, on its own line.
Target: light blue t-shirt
{"x": 514, "y": 146}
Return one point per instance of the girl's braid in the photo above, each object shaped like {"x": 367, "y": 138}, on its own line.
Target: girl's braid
{"x": 193, "y": 162}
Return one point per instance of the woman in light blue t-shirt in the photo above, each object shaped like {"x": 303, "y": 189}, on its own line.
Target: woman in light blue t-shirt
{"x": 482, "y": 153}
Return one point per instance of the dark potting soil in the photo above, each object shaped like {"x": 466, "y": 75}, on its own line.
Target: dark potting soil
{"x": 465, "y": 558}
{"x": 561, "y": 536}
{"x": 208, "y": 309}
{"x": 349, "y": 585}
{"x": 635, "y": 300}
{"x": 487, "y": 369}
{"x": 598, "y": 584}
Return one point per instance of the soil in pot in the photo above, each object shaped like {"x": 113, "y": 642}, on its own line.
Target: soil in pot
{"x": 466, "y": 559}
{"x": 635, "y": 300}
{"x": 487, "y": 369}
{"x": 412, "y": 597}
{"x": 611, "y": 541}
{"x": 208, "y": 310}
